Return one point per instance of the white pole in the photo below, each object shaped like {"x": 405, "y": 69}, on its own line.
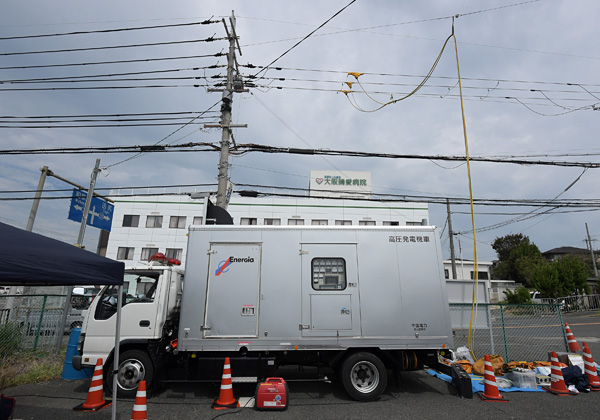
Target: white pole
{"x": 116, "y": 354}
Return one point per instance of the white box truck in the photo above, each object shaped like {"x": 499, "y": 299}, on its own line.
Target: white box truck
{"x": 360, "y": 300}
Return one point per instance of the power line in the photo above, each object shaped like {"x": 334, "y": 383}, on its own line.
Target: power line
{"x": 307, "y": 36}
{"x": 151, "y": 44}
{"x": 100, "y": 31}
{"x": 94, "y": 63}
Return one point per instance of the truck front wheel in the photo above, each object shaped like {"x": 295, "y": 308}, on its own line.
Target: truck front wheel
{"x": 364, "y": 376}
{"x": 134, "y": 366}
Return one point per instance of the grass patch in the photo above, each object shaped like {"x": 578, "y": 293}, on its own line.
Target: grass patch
{"x": 30, "y": 367}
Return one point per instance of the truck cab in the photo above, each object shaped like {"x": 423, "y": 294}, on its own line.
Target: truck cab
{"x": 151, "y": 299}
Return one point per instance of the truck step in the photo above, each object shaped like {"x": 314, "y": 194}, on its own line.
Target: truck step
{"x": 244, "y": 379}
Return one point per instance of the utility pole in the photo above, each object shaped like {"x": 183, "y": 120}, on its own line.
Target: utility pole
{"x": 451, "y": 235}
{"x": 36, "y": 200}
{"x": 84, "y": 217}
{"x": 589, "y": 241}
{"x": 226, "y": 105}
{"x": 88, "y": 203}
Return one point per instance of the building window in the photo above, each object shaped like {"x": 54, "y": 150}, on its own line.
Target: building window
{"x": 328, "y": 274}
{"x": 154, "y": 221}
{"x": 197, "y": 220}
{"x": 343, "y": 222}
{"x": 481, "y": 275}
{"x": 177, "y": 222}
{"x": 366, "y": 222}
{"x": 295, "y": 222}
{"x": 124, "y": 253}
{"x": 414, "y": 224}
{"x": 174, "y": 253}
{"x": 446, "y": 273}
{"x": 391, "y": 223}
{"x": 273, "y": 222}
{"x": 131, "y": 220}
{"x": 248, "y": 221}
{"x": 147, "y": 253}
{"x": 319, "y": 222}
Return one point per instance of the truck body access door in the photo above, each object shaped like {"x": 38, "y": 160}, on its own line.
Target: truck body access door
{"x": 233, "y": 287}
{"x": 330, "y": 299}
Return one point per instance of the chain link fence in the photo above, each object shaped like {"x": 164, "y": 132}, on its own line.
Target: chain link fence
{"x": 33, "y": 322}
{"x": 525, "y": 332}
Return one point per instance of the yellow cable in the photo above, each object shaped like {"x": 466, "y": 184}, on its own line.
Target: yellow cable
{"x": 462, "y": 107}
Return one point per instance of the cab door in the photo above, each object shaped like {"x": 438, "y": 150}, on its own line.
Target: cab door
{"x": 330, "y": 297}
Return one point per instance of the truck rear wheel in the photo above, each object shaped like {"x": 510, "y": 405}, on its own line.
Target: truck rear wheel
{"x": 364, "y": 376}
{"x": 134, "y": 366}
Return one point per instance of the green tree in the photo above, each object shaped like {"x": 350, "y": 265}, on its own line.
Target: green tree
{"x": 504, "y": 245}
{"x": 545, "y": 279}
{"x": 521, "y": 295}
{"x": 572, "y": 275}
{"x": 519, "y": 258}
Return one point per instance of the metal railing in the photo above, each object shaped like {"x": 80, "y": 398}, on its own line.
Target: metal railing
{"x": 33, "y": 322}
{"x": 576, "y": 303}
{"x": 525, "y": 332}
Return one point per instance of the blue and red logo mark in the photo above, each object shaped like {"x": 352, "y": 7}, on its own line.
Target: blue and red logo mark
{"x": 223, "y": 267}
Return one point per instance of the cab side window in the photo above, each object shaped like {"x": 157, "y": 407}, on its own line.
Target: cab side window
{"x": 137, "y": 289}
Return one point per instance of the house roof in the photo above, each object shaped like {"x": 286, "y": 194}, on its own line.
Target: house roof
{"x": 566, "y": 250}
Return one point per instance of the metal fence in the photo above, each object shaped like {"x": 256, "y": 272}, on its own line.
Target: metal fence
{"x": 33, "y": 322}
{"x": 577, "y": 303}
{"x": 517, "y": 332}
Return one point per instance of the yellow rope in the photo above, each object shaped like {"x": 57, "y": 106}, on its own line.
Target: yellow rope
{"x": 462, "y": 107}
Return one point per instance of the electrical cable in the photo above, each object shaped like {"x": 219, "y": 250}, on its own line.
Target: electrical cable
{"x": 100, "y": 31}
{"x": 306, "y": 37}
{"x": 166, "y": 137}
{"x": 110, "y": 47}
{"x": 94, "y": 63}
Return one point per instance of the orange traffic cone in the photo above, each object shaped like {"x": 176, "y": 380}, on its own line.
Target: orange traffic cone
{"x": 95, "y": 399}
{"x": 139, "y": 406}
{"x": 557, "y": 382}
{"x": 573, "y": 346}
{"x": 590, "y": 369}
{"x": 490, "y": 392}
{"x": 226, "y": 399}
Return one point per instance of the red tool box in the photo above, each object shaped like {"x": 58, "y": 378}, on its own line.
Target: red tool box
{"x": 272, "y": 394}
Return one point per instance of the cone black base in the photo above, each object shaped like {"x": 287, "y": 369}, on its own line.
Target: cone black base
{"x": 81, "y": 407}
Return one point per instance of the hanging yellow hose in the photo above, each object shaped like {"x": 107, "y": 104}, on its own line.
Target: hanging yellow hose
{"x": 462, "y": 107}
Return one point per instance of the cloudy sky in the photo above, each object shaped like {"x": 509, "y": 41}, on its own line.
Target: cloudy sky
{"x": 529, "y": 76}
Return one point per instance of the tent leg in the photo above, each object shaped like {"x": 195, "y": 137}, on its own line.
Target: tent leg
{"x": 116, "y": 354}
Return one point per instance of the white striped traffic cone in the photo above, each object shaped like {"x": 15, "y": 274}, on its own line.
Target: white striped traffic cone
{"x": 226, "y": 399}
{"x": 557, "y": 381}
{"x": 95, "y": 399}
{"x": 573, "y": 346}
{"x": 490, "y": 392}
{"x": 139, "y": 406}
{"x": 590, "y": 369}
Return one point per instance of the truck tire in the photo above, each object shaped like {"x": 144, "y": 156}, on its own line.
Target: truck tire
{"x": 134, "y": 366}
{"x": 364, "y": 376}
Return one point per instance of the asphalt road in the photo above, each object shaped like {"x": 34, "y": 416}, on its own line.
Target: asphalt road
{"x": 416, "y": 395}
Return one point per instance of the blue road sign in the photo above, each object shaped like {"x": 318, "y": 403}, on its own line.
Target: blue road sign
{"x": 100, "y": 215}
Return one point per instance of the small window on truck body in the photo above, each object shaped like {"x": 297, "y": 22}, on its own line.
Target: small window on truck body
{"x": 137, "y": 288}
{"x": 328, "y": 274}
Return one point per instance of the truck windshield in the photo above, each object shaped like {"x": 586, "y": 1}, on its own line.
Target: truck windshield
{"x": 138, "y": 288}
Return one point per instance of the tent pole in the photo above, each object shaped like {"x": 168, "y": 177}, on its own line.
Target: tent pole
{"x": 116, "y": 357}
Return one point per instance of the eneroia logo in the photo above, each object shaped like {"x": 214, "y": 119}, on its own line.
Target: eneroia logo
{"x": 223, "y": 266}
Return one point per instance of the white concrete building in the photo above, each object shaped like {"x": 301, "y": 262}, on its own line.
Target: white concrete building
{"x": 464, "y": 274}
{"x": 145, "y": 225}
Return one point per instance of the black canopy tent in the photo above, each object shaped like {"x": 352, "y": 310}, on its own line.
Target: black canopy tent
{"x": 29, "y": 259}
